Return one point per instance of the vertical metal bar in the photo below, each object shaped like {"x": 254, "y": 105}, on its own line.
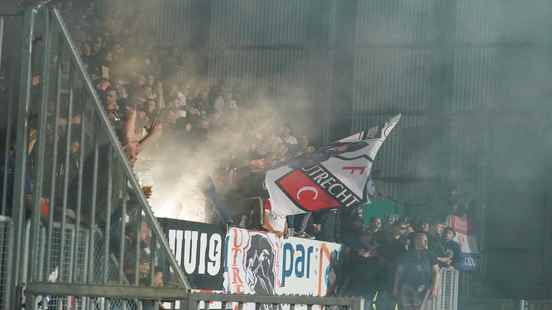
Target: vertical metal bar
{"x": 192, "y": 303}
{"x": 79, "y": 188}
{"x": 21, "y": 140}
{"x": 54, "y": 162}
{"x": 358, "y": 304}
{"x": 38, "y": 174}
{"x": 66, "y": 170}
{"x": 122, "y": 236}
{"x": 9, "y": 263}
{"x": 71, "y": 256}
{"x": 93, "y": 213}
{"x": 31, "y": 300}
{"x": 107, "y": 231}
{"x": 42, "y": 252}
{"x": 137, "y": 247}
{"x": 7, "y": 146}
{"x": 25, "y": 257}
{"x": 153, "y": 245}
{"x": 1, "y": 39}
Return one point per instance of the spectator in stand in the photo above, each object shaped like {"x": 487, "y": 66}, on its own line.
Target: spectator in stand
{"x": 365, "y": 270}
{"x": 290, "y": 140}
{"x": 452, "y": 248}
{"x": 391, "y": 249}
{"x": 376, "y": 229}
{"x": 112, "y": 107}
{"x": 133, "y": 144}
{"x": 351, "y": 232}
{"x": 436, "y": 244}
{"x": 424, "y": 227}
{"x": 273, "y": 222}
{"x": 417, "y": 276}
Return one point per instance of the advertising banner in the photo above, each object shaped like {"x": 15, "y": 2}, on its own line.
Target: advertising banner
{"x": 198, "y": 249}
{"x": 260, "y": 263}
{"x": 306, "y": 266}
{"x": 252, "y": 262}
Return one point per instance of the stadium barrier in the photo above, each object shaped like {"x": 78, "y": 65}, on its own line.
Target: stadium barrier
{"x": 448, "y": 290}
{"x": 6, "y": 263}
{"x": 64, "y": 296}
{"x": 79, "y": 215}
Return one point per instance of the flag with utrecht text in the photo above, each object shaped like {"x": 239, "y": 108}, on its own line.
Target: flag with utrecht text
{"x": 334, "y": 176}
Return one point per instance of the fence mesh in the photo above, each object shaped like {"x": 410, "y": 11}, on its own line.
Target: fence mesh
{"x": 448, "y": 295}
{"x": 6, "y": 233}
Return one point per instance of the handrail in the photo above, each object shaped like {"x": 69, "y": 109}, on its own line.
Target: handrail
{"x": 54, "y": 289}
{"x": 119, "y": 152}
{"x": 107, "y": 291}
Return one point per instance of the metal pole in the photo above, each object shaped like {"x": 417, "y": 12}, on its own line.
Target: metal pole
{"x": 13, "y": 66}
{"x": 1, "y": 39}
{"x": 153, "y": 245}
{"x": 38, "y": 174}
{"x": 93, "y": 212}
{"x": 54, "y": 172}
{"x": 66, "y": 170}
{"x": 137, "y": 246}
{"x": 9, "y": 288}
{"x": 79, "y": 190}
{"x": 107, "y": 231}
{"x": 7, "y": 147}
{"x": 21, "y": 140}
{"x": 122, "y": 236}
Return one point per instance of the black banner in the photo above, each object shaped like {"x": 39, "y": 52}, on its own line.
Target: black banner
{"x": 198, "y": 248}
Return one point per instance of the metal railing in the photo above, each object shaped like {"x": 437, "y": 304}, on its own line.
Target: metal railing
{"x": 504, "y": 304}
{"x": 87, "y": 297}
{"x": 6, "y": 244}
{"x": 79, "y": 213}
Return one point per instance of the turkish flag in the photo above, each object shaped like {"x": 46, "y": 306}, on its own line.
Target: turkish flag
{"x": 305, "y": 193}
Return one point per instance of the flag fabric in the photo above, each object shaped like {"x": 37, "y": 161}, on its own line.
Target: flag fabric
{"x": 335, "y": 176}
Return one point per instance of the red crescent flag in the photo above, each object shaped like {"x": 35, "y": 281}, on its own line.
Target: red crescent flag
{"x": 334, "y": 176}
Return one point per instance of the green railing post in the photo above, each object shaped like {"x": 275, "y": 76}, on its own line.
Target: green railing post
{"x": 38, "y": 173}
{"x": 18, "y": 203}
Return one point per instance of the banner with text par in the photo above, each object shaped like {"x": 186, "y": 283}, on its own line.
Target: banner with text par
{"x": 332, "y": 177}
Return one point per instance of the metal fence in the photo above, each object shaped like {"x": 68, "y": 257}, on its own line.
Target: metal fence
{"x": 46, "y": 295}
{"x": 78, "y": 211}
{"x": 6, "y": 243}
{"x": 504, "y": 304}
{"x": 448, "y": 295}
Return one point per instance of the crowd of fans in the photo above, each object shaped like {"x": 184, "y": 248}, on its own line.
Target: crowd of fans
{"x": 147, "y": 105}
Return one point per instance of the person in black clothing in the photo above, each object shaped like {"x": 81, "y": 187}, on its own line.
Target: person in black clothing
{"x": 452, "y": 248}
{"x": 392, "y": 247}
{"x": 436, "y": 245}
{"x": 417, "y": 275}
{"x": 352, "y": 231}
{"x": 365, "y": 269}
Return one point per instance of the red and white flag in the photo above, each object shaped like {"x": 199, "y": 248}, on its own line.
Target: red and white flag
{"x": 335, "y": 176}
